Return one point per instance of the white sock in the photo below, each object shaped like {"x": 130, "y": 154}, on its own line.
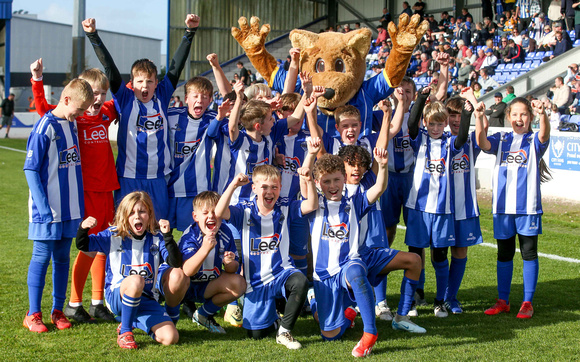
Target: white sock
{"x": 96, "y": 302}
{"x": 75, "y": 304}
{"x": 282, "y": 330}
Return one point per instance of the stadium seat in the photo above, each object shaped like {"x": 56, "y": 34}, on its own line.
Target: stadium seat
{"x": 535, "y": 64}
{"x": 548, "y": 53}
{"x": 509, "y": 66}
{"x": 530, "y": 55}
{"x": 501, "y": 79}
{"x": 539, "y": 56}
{"x": 518, "y": 66}
{"x": 526, "y": 65}
{"x": 576, "y": 43}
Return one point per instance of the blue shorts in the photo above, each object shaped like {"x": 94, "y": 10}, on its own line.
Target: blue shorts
{"x": 467, "y": 232}
{"x": 180, "y": 212}
{"x": 53, "y": 230}
{"x": 376, "y": 260}
{"x": 260, "y": 303}
{"x": 299, "y": 233}
{"x": 430, "y": 230}
{"x": 506, "y": 225}
{"x": 149, "y": 314}
{"x": 376, "y": 235}
{"x": 196, "y": 291}
{"x": 395, "y": 197}
{"x": 156, "y": 188}
{"x": 333, "y": 297}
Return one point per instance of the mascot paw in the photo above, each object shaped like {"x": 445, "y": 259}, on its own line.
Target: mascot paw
{"x": 251, "y": 38}
{"x": 408, "y": 34}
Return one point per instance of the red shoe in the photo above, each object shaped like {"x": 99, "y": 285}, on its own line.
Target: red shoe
{"x": 365, "y": 345}
{"x": 350, "y": 314}
{"x": 34, "y": 323}
{"x": 59, "y": 320}
{"x": 526, "y": 311}
{"x": 126, "y": 341}
{"x": 500, "y": 307}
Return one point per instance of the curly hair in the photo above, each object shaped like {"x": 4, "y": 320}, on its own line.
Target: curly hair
{"x": 355, "y": 155}
{"x": 326, "y": 164}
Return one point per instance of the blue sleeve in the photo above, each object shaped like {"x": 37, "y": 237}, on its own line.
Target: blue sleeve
{"x": 188, "y": 245}
{"x": 164, "y": 91}
{"x": 213, "y": 130}
{"x": 122, "y": 97}
{"x": 38, "y": 195}
{"x": 294, "y": 210}
{"x": 236, "y": 216}
{"x": 101, "y": 242}
{"x": 540, "y": 147}
{"x": 279, "y": 79}
{"x": 494, "y": 140}
{"x": 377, "y": 88}
{"x": 230, "y": 245}
{"x": 373, "y": 137}
{"x": 328, "y": 142}
{"x": 377, "y": 120}
{"x": 361, "y": 203}
{"x": 37, "y": 148}
{"x": 279, "y": 130}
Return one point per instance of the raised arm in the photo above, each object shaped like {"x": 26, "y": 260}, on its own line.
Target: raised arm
{"x": 314, "y": 144}
{"x": 399, "y": 116}
{"x": 42, "y": 105}
{"x": 222, "y": 209}
{"x": 443, "y": 60}
{"x": 481, "y": 134}
{"x": 382, "y": 158}
{"x": 417, "y": 111}
{"x": 221, "y": 80}
{"x": 544, "y": 133}
{"x": 315, "y": 130}
{"x": 311, "y": 200}
{"x": 233, "y": 129}
{"x": 180, "y": 57}
{"x": 463, "y": 133}
{"x": 111, "y": 70}
{"x": 82, "y": 239}
{"x": 290, "y": 81}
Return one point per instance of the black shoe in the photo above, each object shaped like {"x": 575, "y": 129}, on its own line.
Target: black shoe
{"x": 189, "y": 308}
{"x": 101, "y": 312}
{"x": 78, "y": 314}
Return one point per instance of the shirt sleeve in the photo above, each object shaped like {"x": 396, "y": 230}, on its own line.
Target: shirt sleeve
{"x": 494, "y": 140}
{"x": 36, "y": 148}
{"x": 237, "y": 216}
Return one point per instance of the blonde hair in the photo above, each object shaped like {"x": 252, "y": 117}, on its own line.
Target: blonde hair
{"x": 206, "y": 198}
{"x": 289, "y": 101}
{"x": 254, "y": 112}
{"x": 255, "y": 89}
{"x": 435, "y": 112}
{"x": 125, "y": 208}
{"x": 96, "y": 78}
{"x": 267, "y": 172}
{"x": 78, "y": 90}
{"x": 200, "y": 85}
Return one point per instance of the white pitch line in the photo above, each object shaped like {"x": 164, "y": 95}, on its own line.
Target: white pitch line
{"x": 12, "y": 149}
{"x": 548, "y": 256}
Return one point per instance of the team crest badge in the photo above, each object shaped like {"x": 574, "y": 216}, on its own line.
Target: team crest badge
{"x": 154, "y": 249}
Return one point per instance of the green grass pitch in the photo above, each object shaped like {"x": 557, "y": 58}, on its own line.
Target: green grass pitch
{"x": 553, "y": 334}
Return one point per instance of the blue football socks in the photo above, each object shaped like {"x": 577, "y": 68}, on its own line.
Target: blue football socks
{"x": 441, "y": 277}
{"x": 381, "y": 291}
{"x": 208, "y": 308}
{"x": 456, "y": 272}
{"x": 129, "y": 309}
{"x": 363, "y": 294}
{"x": 505, "y": 270}
{"x": 531, "y": 270}
{"x": 408, "y": 287}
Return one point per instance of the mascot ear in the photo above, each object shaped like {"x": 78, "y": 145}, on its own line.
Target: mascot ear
{"x": 360, "y": 40}
{"x": 303, "y": 39}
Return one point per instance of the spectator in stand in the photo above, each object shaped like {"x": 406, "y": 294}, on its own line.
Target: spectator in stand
{"x": 527, "y": 10}
{"x": 528, "y": 44}
{"x": 567, "y": 11}
{"x": 536, "y": 28}
{"x": 423, "y": 66}
{"x": 486, "y": 81}
{"x": 453, "y": 71}
{"x": 419, "y": 8}
{"x": 178, "y": 102}
{"x": 501, "y": 27}
{"x": 496, "y": 112}
{"x": 575, "y": 106}
{"x": 562, "y": 45}
{"x": 386, "y": 18}
{"x": 382, "y": 35}
{"x": 571, "y": 74}
{"x": 454, "y": 89}
{"x": 407, "y": 9}
{"x": 476, "y": 89}
{"x": 478, "y": 36}
{"x": 554, "y": 11}
{"x": 546, "y": 39}
{"x": 346, "y": 28}
{"x": 356, "y": 26}
{"x": 480, "y": 58}
{"x": 490, "y": 61}
{"x": 465, "y": 33}
{"x": 444, "y": 23}
{"x": 31, "y": 105}
{"x": 433, "y": 25}
{"x": 517, "y": 37}
{"x": 576, "y": 7}
{"x": 515, "y": 55}
{"x": 464, "y": 14}
{"x": 449, "y": 50}
{"x": 561, "y": 95}
{"x": 465, "y": 70}
{"x": 510, "y": 94}
{"x": 489, "y": 28}
{"x": 384, "y": 52}
{"x": 503, "y": 50}
{"x": 433, "y": 65}
{"x": 460, "y": 51}
{"x": 414, "y": 64}
{"x": 469, "y": 55}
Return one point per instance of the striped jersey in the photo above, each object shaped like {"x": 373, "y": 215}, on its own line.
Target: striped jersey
{"x": 335, "y": 231}
{"x": 265, "y": 240}
{"x": 372, "y": 226}
{"x": 130, "y": 256}
{"x": 211, "y": 268}
{"x": 294, "y": 148}
{"x": 401, "y": 155}
{"x": 334, "y": 144}
{"x": 431, "y": 189}
{"x": 516, "y": 174}
{"x": 143, "y": 133}
{"x": 243, "y": 155}
{"x": 191, "y": 152}
{"x": 53, "y": 152}
{"x": 463, "y": 181}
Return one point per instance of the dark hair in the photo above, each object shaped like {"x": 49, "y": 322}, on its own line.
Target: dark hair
{"x": 355, "y": 155}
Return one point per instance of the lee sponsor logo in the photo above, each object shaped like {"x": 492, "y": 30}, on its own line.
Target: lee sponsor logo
{"x": 339, "y": 232}
{"x": 265, "y": 244}
{"x": 401, "y": 144}
{"x": 519, "y": 157}
{"x": 95, "y": 134}
{"x": 184, "y": 149}
{"x": 290, "y": 164}
{"x": 69, "y": 157}
{"x": 150, "y": 124}
{"x": 435, "y": 166}
{"x": 206, "y": 275}
{"x": 460, "y": 163}
{"x": 250, "y": 165}
{"x": 145, "y": 270}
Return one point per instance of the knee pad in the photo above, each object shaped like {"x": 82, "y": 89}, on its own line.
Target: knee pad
{"x": 355, "y": 271}
{"x": 506, "y": 249}
{"x": 529, "y": 247}
{"x": 418, "y": 251}
{"x": 296, "y": 283}
{"x": 439, "y": 254}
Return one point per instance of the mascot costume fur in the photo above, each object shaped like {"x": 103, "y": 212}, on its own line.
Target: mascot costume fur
{"x": 337, "y": 62}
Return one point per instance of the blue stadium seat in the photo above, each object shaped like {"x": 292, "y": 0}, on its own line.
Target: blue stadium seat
{"x": 576, "y": 43}
{"x": 530, "y": 55}
{"x": 501, "y": 79}
{"x": 509, "y": 66}
{"x": 548, "y": 53}
{"x": 500, "y": 67}
{"x": 535, "y": 64}
{"x": 518, "y": 66}
{"x": 522, "y": 72}
{"x": 526, "y": 65}
{"x": 539, "y": 56}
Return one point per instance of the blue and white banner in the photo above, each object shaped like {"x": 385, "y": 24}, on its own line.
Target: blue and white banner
{"x": 565, "y": 152}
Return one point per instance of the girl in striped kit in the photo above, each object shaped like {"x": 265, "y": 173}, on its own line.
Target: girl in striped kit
{"x": 517, "y": 204}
